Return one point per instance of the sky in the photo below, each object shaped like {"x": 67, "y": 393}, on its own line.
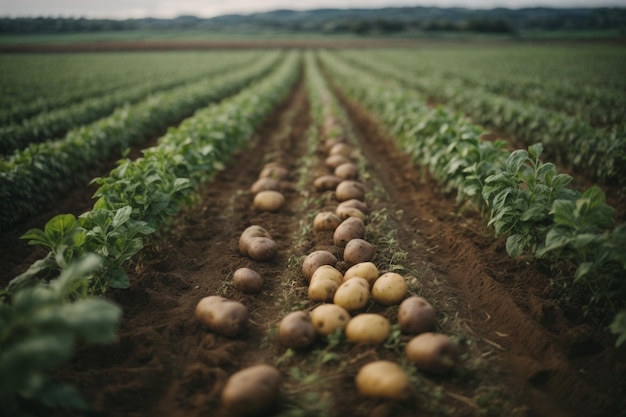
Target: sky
{"x": 122, "y": 9}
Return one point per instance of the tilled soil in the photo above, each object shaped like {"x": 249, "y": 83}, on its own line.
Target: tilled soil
{"x": 542, "y": 362}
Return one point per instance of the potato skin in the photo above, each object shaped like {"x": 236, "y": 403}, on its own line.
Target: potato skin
{"x": 366, "y": 270}
{"x": 274, "y": 170}
{"x": 432, "y": 352}
{"x": 251, "y": 232}
{"x": 354, "y": 203}
{"x": 353, "y": 294}
{"x": 252, "y": 391}
{"x": 248, "y": 281}
{"x": 265, "y": 184}
{"x": 345, "y": 212}
{"x": 350, "y": 189}
{"x": 383, "y": 379}
{"x": 262, "y": 249}
{"x": 322, "y": 289}
{"x": 326, "y": 183}
{"x": 347, "y": 171}
{"x": 416, "y": 315}
{"x": 226, "y": 317}
{"x": 296, "y": 330}
{"x": 351, "y": 228}
{"x": 328, "y": 272}
{"x": 326, "y": 221}
{"x": 341, "y": 149}
{"x": 333, "y": 161}
{"x": 269, "y": 200}
{"x": 316, "y": 259}
{"x": 389, "y": 289}
{"x": 359, "y": 250}
{"x": 327, "y": 318}
{"x": 368, "y": 328}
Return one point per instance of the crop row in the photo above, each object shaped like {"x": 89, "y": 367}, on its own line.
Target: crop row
{"x": 569, "y": 140}
{"x": 33, "y": 176}
{"x": 51, "y": 124}
{"x": 138, "y": 197}
{"x": 527, "y": 200}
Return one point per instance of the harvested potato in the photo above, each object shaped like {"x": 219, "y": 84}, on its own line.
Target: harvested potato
{"x": 265, "y": 184}
{"x": 389, "y": 289}
{"x": 269, "y": 200}
{"x": 341, "y": 149}
{"x": 352, "y": 294}
{"x": 322, "y": 289}
{"x": 248, "y": 281}
{"x": 316, "y": 259}
{"x": 365, "y": 270}
{"x": 328, "y": 272}
{"x": 416, "y": 315}
{"x": 250, "y": 233}
{"x": 326, "y": 221}
{"x": 383, "y": 379}
{"x": 252, "y": 391}
{"x": 274, "y": 170}
{"x": 347, "y": 171}
{"x": 432, "y": 352}
{"x": 351, "y": 228}
{"x": 262, "y": 249}
{"x": 333, "y": 161}
{"x": 296, "y": 330}
{"x": 326, "y": 183}
{"x": 223, "y": 316}
{"x": 353, "y": 202}
{"x": 329, "y": 143}
{"x": 345, "y": 212}
{"x": 327, "y": 318}
{"x": 368, "y": 328}
{"x": 350, "y": 189}
{"x": 359, "y": 250}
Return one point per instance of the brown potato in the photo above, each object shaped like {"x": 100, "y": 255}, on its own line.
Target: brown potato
{"x": 326, "y": 222}
{"x": 249, "y": 233}
{"x": 322, "y": 289}
{"x": 262, "y": 249}
{"x": 353, "y": 202}
{"x": 333, "y": 161}
{"x": 389, "y": 289}
{"x": 296, "y": 330}
{"x": 252, "y": 391}
{"x": 329, "y": 143}
{"x": 432, "y": 352}
{"x": 383, "y": 379}
{"x": 353, "y": 294}
{"x": 274, "y": 170}
{"x": 351, "y": 228}
{"x": 327, "y": 318}
{"x": 328, "y": 272}
{"x": 416, "y": 315}
{"x": 350, "y": 189}
{"x": 269, "y": 200}
{"x": 359, "y": 250}
{"x": 347, "y": 171}
{"x": 326, "y": 183}
{"x": 248, "y": 281}
{"x": 316, "y": 259}
{"x": 341, "y": 149}
{"x": 365, "y": 270}
{"x": 345, "y": 212}
{"x": 368, "y": 328}
{"x": 226, "y": 317}
{"x": 265, "y": 184}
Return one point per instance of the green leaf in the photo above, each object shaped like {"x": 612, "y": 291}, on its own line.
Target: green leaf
{"x": 515, "y": 244}
{"x": 618, "y": 327}
{"x": 117, "y": 278}
{"x": 121, "y": 216}
{"x": 60, "y": 226}
{"x": 38, "y": 237}
{"x": 515, "y": 161}
{"x": 535, "y": 150}
{"x": 583, "y": 270}
{"x": 94, "y": 319}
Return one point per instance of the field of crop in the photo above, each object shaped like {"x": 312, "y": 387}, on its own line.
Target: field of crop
{"x": 478, "y": 191}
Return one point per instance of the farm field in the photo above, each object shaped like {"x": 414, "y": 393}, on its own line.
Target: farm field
{"x": 518, "y": 246}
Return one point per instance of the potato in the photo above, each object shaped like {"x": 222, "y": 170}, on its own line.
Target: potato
{"x": 252, "y": 391}
{"x": 383, "y": 379}
{"x": 327, "y": 318}
{"x": 328, "y": 272}
{"x": 262, "y": 249}
{"x": 316, "y": 259}
{"x": 347, "y": 171}
{"x": 351, "y": 228}
{"x": 322, "y": 289}
{"x": 265, "y": 184}
{"x": 345, "y": 212}
{"x": 296, "y": 330}
{"x": 329, "y": 143}
{"x": 326, "y": 183}
{"x": 350, "y": 189}
{"x": 353, "y": 294}
{"x": 248, "y": 281}
{"x": 368, "y": 328}
{"x": 341, "y": 149}
{"x": 326, "y": 221}
{"x": 432, "y": 352}
{"x": 269, "y": 200}
{"x": 223, "y": 316}
{"x": 333, "y": 161}
{"x": 353, "y": 202}
{"x": 274, "y": 170}
{"x": 365, "y": 270}
{"x": 389, "y": 289}
{"x": 416, "y": 315}
{"x": 249, "y": 233}
{"x": 359, "y": 250}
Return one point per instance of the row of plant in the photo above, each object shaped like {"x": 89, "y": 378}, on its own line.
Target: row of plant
{"x": 568, "y": 140}
{"x": 36, "y": 83}
{"x": 51, "y": 124}
{"x": 42, "y": 171}
{"x": 527, "y": 200}
{"x": 136, "y": 199}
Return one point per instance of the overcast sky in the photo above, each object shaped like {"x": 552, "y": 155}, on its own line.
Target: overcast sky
{"x": 119, "y": 9}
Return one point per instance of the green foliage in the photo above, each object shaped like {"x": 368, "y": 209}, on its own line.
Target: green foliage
{"x": 618, "y": 327}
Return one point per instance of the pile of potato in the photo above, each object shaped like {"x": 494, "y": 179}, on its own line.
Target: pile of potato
{"x": 267, "y": 189}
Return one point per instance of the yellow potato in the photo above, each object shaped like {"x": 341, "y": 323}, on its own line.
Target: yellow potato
{"x": 326, "y": 222}
{"x": 316, "y": 259}
{"x": 252, "y": 391}
{"x": 353, "y": 294}
{"x": 327, "y": 318}
{"x": 383, "y": 379}
{"x": 368, "y": 328}
{"x": 269, "y": 200}
{"x": 365, "y": 270}
{"x": 389, "y": 289}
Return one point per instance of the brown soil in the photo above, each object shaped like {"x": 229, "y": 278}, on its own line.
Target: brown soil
{"x": 541, "y": 362}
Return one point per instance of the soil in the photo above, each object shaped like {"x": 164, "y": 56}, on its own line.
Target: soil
{"x": 521, "y": 354}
